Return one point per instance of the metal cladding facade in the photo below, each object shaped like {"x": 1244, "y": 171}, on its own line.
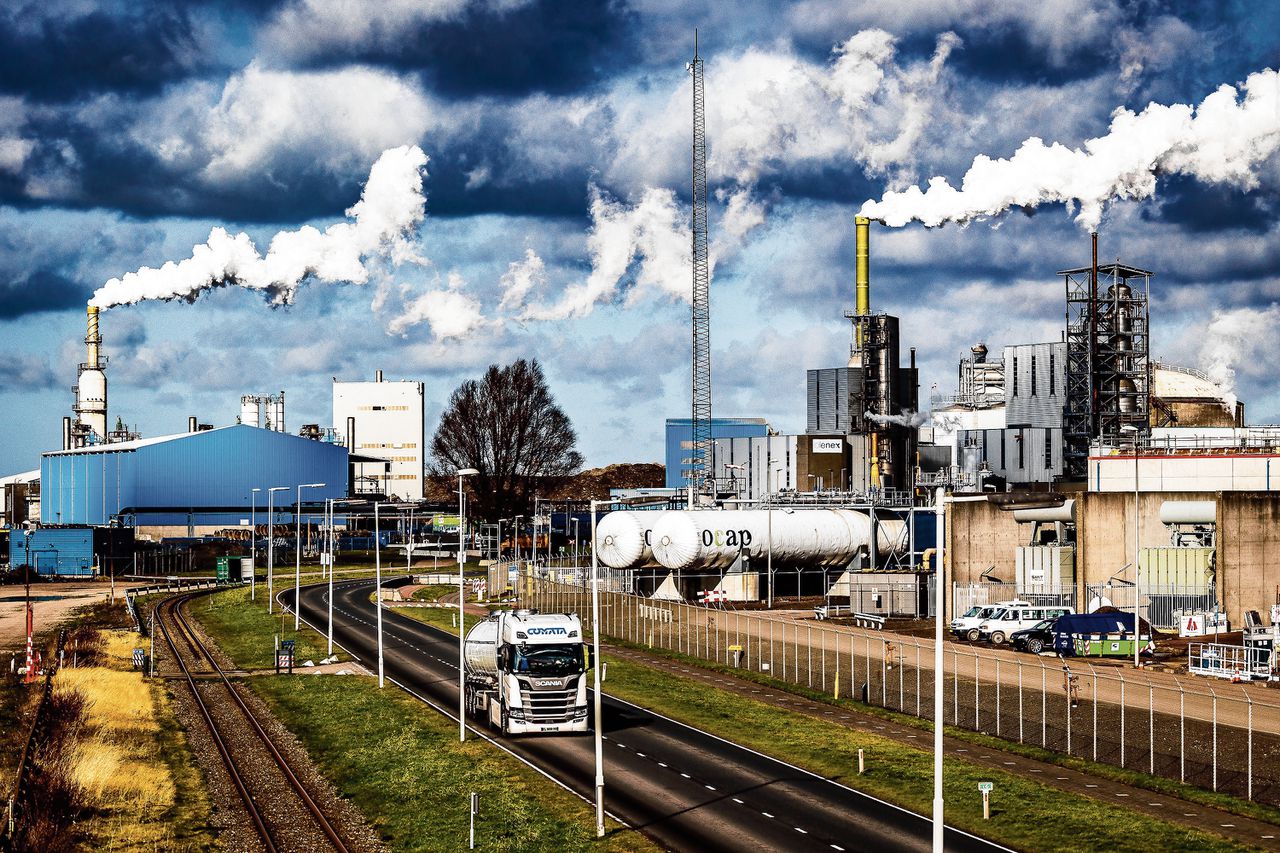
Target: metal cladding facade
{"x": 680, "y": 441}
{"x": 201, "y": 477}
{"x": 70, "y": 551}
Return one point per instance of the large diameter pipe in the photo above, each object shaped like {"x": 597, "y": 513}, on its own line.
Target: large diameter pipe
{"x": 1065, "y": 512}
{"x": 625, "y": 539}
{"x": 817, "y": 537}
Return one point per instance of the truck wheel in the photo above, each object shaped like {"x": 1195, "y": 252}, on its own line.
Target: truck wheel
{"x": 997, "y": 638}
{"x": 972, "y": 635}
{"x": 1035, "y": 646}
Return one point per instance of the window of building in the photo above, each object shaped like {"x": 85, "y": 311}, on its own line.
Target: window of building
{"x": 1015, "y": 376}
{"x": 1053, "y": 379}
{"x": 1003, "y": 461}
{"x": 1048, "y": 448}
{"x": 1033, "y": 376}
{"x": 1021, "y": 439}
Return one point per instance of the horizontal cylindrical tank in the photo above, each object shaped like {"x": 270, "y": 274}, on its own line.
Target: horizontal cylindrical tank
{"x": 624, "y": 539}
{"x": 1065, "y": 512}
{"x": 1189, "y": 512}
{"x": 810, "y": 537}
{"x": 481, "y": 649}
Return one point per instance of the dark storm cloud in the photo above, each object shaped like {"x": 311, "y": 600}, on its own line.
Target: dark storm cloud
{"x": 39, "y": 290}
{"x": 19, "y": 371}
{"x": 545, "y": 46}
{"x": 1209, "y": 208}
{"x": 132, "y": 48}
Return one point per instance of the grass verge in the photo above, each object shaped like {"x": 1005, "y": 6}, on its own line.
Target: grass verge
{"x": 1146, "y": 781}
{"x": 1025, "y": 815}
{"x": 399, "y": 761}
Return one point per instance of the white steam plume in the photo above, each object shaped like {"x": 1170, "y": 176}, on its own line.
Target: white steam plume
{"x": 908, "y": 418}
{"x": 520, "y": 279}
{"x": 449, "y": 311}
{"x": 647, "y": 242}
{"x": 1221, "y": 141}
{"x": 1235, "y": 338}
{"x": 388, "y": 213}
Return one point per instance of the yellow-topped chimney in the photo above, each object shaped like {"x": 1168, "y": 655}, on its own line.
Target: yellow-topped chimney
{"x": 862, "y": 233}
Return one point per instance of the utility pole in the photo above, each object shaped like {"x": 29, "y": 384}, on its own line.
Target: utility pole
{"x": 700, "y": 468}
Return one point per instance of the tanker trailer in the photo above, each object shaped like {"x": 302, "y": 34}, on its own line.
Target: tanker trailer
{"x": 818, "y": 538}
{"x": 526, "y": 672}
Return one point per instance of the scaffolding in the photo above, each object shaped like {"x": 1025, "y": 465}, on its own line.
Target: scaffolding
{"x": 1108, "y": 364}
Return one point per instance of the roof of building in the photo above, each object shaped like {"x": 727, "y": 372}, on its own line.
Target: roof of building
{"x": 1171, "y": 381}
{"x": 23, "y": 477}
{"x": 116, "y": 446}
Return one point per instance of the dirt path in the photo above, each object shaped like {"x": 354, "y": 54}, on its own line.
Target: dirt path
{"x": 51, "y": 603}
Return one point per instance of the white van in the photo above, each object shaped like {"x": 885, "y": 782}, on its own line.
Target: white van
{"x": 965, "y": 626}
{"x": 1016, "y": 616}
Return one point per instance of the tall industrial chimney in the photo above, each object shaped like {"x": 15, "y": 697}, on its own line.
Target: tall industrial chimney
{"x": 862, "y": 278}
{"x": 378, "y": 376}
{"x": 91, "y": 386}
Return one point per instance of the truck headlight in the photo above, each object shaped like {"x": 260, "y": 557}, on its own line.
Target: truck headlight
{"x": 516, "y": 713}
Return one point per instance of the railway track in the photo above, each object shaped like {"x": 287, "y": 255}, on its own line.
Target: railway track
{"x": 280, "y": 809}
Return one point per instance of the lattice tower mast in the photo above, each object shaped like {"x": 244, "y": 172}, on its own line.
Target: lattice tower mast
{"x": 701, "y": 469}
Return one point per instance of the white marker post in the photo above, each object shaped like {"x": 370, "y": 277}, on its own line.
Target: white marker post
{"x": 475, "y": 807}
{"x": 985, "y": 788}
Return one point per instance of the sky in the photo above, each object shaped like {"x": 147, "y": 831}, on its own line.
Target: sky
{"x": 458, "y": 183}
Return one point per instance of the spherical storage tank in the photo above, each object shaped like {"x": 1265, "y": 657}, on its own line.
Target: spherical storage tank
{"x": 624, "y": 538}
{"x": 811, "y": 537}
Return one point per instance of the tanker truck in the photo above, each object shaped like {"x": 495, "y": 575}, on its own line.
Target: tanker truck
{"x": 526, "y": 672}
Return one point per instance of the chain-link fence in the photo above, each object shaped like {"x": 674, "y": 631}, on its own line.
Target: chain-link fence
{"x": 1219, "y": 736}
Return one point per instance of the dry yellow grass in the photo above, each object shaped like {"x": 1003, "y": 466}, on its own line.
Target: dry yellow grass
{"x": 117, "y": 760}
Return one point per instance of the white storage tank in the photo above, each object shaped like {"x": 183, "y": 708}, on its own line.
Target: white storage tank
{"x": 624, "y": 538}
{"x": 810, "y": 537}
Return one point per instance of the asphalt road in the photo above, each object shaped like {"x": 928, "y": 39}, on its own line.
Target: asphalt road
{"x": 687, "y": 789}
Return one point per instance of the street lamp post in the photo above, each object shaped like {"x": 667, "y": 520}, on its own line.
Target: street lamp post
{"x": 253, "y": 544}
{"x": 516, "y": 537}
{"x": 333, "y": 541}
{"x": 462, "y": 597}
{"x": 940, "y": 510}
{"x": 297, "y": 551}
{"x": 1132, "y": 432}
{"x": 769, "y": 516}
{"x": 271, "y": 543}
{"x": 595, "y": 666}
{"x": 575, "y": 542}
{"x": 377, "y": 584}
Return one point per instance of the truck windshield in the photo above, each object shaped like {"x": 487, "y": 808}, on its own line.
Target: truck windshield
{"x": 552, "y": 660}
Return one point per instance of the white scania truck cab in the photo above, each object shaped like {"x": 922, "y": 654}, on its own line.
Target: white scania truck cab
{"x": 526, "y": 672}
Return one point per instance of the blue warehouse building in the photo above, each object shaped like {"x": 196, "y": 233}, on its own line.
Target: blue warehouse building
{"x": 190, "y": 480}
{"x": 680, "y": 440}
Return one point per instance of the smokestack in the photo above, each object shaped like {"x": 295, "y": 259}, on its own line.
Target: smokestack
{"x": 93, "y": 339}
{"x": 191, "y": 424}
{"x": 91, "y": 385}
{"x": 377, "y": 377}
{"x": 66, "y": 433}
{"x": 862, "y": 233}
{"x": 278, "y": 417}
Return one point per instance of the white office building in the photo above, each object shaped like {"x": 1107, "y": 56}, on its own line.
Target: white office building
{"x": 384, "y": 420}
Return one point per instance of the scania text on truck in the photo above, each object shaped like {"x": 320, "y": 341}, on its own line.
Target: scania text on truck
{"x": 526, "y": 672}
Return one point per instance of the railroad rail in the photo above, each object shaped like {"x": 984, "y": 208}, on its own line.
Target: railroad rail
{"x": 170, "y": 613}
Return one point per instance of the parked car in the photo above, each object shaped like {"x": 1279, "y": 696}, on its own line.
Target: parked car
{"x": 1035, "y": 639}
{"x": 1017, "y": 617}
{"x": 966, "y": 625}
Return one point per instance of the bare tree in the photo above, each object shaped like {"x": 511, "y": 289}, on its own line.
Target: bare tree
{"x": 509, "y": 428}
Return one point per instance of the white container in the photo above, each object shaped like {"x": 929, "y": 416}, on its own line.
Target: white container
{"x": 807, "y": 537}
{"x": 1045, "y": 567}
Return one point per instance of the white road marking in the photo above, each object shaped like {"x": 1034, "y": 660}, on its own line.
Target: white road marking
{"x": 766, "y": 814}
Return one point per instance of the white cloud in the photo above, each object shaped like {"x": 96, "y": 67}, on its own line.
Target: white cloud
{"x": 312, "y": 27}
{"x": 260, "y": 119}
